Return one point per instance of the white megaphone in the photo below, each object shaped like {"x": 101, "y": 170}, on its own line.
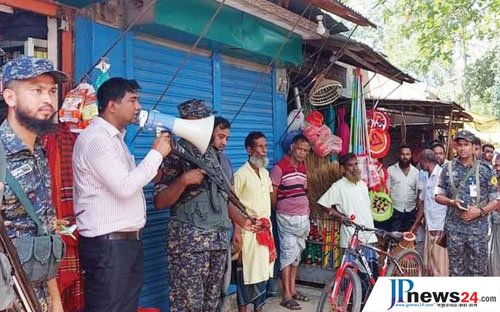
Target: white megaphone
{"x": 198, "y": 132}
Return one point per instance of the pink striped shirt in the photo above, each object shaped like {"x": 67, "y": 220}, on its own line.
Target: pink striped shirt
{"x": 291, "y": 184}
{"x": 107, "y": 183}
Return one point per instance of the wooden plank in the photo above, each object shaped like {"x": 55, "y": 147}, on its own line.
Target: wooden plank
{"x": 38, "y": 6}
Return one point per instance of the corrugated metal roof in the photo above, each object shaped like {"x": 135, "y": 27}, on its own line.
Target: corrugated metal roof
{"x": 361, "y": 55}
{"x": 340, "y": 9}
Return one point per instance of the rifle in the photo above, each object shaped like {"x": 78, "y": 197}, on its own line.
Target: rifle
{"x": 22, "y": 286}
{"x": 217, "y": 178}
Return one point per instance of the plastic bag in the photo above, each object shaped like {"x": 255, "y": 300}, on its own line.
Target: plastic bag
{"x": 79, "y": 107}
{"x": 70, "y": 110}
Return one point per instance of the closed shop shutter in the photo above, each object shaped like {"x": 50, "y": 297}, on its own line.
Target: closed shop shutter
{"x": 153, "y": 67}
{"x": 257, "y": 113}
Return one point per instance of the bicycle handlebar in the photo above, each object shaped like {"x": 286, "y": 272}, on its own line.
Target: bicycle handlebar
{"x": 396, "y": 236}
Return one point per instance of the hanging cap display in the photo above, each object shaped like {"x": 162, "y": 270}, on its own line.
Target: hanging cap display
{"x": 315, "y": 118}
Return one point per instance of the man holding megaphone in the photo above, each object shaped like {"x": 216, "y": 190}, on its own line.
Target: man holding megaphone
{"x": 197, "y": 240}
{"x": 109, "y": 200}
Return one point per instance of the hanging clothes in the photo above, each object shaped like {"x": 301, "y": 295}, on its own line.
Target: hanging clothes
{"x": 59, "y": 146}
{"x": 343, "y": 130}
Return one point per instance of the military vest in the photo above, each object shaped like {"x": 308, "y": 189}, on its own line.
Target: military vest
{"x": 208, "y": 209}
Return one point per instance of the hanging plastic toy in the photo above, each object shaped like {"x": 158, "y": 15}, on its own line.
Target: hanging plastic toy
{"x": 103, "y": 75}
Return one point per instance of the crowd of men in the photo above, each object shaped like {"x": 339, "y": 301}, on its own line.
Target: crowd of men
{"x": 456, "y": 199}
{"x": 207, "y": 228}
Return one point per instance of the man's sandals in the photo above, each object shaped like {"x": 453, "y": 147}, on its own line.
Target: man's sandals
{"x": 290, "y": 304}
{"x": 300, "y": 296}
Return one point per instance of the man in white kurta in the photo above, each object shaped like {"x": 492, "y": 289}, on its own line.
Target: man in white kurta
{"x": 349, "y": 196}
{"x": 253, "y": 187}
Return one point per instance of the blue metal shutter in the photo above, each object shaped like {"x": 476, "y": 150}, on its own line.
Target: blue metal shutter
{"x": 257, "y": 113}
{"x": 153, "y": 66}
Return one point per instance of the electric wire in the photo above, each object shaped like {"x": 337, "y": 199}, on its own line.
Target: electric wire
{"x": 191, "y": 51}
{"x": 269, "y": 66}
{"x": 184, "y": 61}
{"x": 120, "y": 38}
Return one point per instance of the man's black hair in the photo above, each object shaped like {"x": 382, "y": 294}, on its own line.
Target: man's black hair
{"x": 114, "y": 89}
{"x": 487, "y": 145}
{"x": 222, "y": 123}
{"x": 344, "y": 159}
{"x": 404, "y": 146}
{"x": 476, "y": 141}
{"x": 300, "y": 138}
{"x": 436, "y": 144}
{"x": 252, "y": 136}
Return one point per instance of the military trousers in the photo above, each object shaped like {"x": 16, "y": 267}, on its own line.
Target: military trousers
{"x": 468, "y": 253}
{"x": 196, "y": 280}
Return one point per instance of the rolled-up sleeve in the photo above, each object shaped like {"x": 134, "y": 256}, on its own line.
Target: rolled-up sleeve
{"x": 443, "y": 184}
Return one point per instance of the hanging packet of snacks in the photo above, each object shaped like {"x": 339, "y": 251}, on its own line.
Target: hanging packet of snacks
{"x": 363, "y": 165}
{"x": 79, "y": 107}
{"x": 70, "y": 110}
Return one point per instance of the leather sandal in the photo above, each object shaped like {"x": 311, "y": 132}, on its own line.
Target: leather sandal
{"x": 300, "y": 296}
{"x": 291, "y": 304}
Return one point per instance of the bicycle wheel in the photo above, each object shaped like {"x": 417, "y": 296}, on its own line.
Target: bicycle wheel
{"x": 411, "y": 263}
{"x": 347, "y": 298}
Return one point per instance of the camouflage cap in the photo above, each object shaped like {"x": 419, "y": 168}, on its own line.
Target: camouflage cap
{"x": 27, "y": 67}
{"x": 464, "y": 135}
{"x": 194, "y": 108}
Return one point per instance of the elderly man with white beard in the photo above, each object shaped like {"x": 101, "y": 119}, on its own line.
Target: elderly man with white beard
{"x": 253, "y": 186}
{"x": 349, "y": 197}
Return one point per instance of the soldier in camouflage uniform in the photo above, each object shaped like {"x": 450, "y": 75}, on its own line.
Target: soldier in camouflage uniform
{"x": 469, "y": 184}
{"x": 197, "y": 240}
{"x": 30, "y": 93}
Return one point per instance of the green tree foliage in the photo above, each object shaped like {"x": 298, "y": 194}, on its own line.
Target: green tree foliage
{"x": 442, "y": 27}
{"x": 482, "y": 83}
{"x": 449, "y": 44}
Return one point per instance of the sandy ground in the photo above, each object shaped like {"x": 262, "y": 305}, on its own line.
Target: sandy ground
{"x": 273, "y": 304}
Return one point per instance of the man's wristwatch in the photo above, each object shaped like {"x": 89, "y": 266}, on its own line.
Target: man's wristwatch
{"x": 482, "y": 213}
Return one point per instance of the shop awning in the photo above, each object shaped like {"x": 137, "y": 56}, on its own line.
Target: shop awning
{"x": 233, "y": 32}
{"x": 428, "y": 108}
{"x": 487, "y": 128}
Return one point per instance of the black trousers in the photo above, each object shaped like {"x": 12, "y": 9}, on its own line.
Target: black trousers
{"x": 112, "y": 271}
{"x": 402, "y": 221}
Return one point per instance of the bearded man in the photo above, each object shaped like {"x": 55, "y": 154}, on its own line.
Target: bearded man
{"x": 30, "y": 93}
{"x": 253, "y": 186}
{"x": 349, "y": 197}
{"x": 402, "y": 186}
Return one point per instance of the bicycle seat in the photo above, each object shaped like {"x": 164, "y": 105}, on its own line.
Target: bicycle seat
{"x": 392, "y": 236}
{"x": 395, "y": 236}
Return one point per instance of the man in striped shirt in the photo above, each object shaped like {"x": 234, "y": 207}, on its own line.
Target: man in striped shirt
{"x": 289, "y": 178}
{"x": 109, "y": 200}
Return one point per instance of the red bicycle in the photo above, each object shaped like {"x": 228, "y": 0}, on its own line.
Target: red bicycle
{"x": 344, "y": 292}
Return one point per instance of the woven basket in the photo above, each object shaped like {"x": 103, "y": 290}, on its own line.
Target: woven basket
{"x": 325, "y": 91}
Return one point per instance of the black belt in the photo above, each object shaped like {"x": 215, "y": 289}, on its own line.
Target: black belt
{"x": 135, "y": 235}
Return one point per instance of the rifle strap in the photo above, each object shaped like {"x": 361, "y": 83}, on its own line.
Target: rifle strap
{"x": 6, "y": 177}
{"x": 473, "y": 171}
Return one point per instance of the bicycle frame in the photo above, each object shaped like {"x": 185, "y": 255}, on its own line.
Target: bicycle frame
{"x": 351, "y": 257}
